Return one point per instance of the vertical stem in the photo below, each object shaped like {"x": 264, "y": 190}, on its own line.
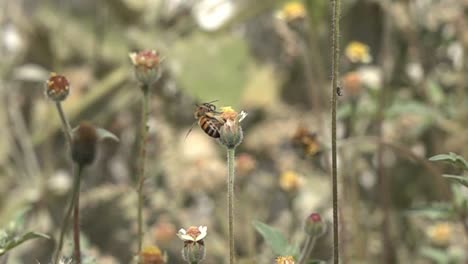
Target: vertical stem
{"x": 76, "y": 187}
{"x": 76, "y": 224}
{"x": 230, "y": 200}
{"x": 335, "y": 74}
{"x": 307, "y": 250}
{"x": 65, "y": 124}
{"x": 142, "y": 159}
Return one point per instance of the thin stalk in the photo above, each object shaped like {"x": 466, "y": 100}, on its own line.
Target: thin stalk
{"x": 76, "y": 187}
{"x": 335, "y": 75}
{"x": 76, "y": 224}
{"x": 142, "y": 159}
{"x": 65, "y": 124}
{"x": 307, "y": 250}
{"x": 230, "y": 200}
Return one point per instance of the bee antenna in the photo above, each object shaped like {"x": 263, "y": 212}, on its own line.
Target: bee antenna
{"x": 190, "y": 130}
{"x": 213, "y": 102}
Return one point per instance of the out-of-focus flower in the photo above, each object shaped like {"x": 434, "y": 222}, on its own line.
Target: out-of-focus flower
{"x": 290, "y": 181}
{"x": 57, "y": 87}
{"x": 285, "y": 260}
{"x": 164, "y": 231}
{"x": 358, "y": 52}
{"x": 314, "y": 226}
{"x": 194, "y": 246}
{"x": 213, "y": 14}
{"x": 440, "y": 234}
{"x": 352, "y": 83}
{"x": 245, "y": 164}
{"x": 151, "y": 255}
{"x": 147, "y": 65}
{"x": 231, "y": 134}
{"x": 306, "y": 140}
{"x": 371, "y": 77}
{"x": 292, "y": 10}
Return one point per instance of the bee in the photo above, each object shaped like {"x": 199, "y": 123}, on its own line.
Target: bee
{"x": 208, "y": 119}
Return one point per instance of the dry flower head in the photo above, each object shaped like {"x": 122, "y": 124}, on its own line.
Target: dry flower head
{"x": 57, "y": 87}
{"x": 285, "y": 260}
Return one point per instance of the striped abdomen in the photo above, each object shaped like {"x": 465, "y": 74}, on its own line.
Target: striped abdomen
{"x": 210, "y": 126}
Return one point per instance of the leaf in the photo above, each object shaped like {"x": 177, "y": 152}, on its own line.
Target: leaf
{"x": 103, "y": 134}
{"x": 274, "y": 238}
{"x": 452, "y": 158}
{"x": 18, "y": 240}
{"x": 460, "y": 179}
{"x": 441, "y": 211}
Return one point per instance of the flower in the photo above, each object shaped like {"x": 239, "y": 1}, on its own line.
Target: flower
{"x": 292, "y": 10}
{"x": 440, "y": 234}
{"x": 290, "y": 181}
{"x": 194, "y": 246}
{"x": 358, "y": 52}
{"x": 285, "y": 260}
{"x": 231, "y": 134}
{"x": 147, "y": 66}
{"x": 151, "y": 255}
{"x": 193, "y": 233}
{"x": 57, "y": 87}
{"x": 314, "y": 226}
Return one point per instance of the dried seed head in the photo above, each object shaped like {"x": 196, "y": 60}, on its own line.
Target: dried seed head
{"x": 84, "y": 143}
{"x": 147, "y": 66}
{"x": 57, "y": 87}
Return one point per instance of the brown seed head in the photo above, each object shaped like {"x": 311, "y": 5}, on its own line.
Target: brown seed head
{"x": 57, "y": 87}
{"x": 84, "y": 142}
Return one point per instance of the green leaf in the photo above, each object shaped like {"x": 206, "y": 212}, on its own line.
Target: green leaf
{"x": 459, "y": 179}
{"x": 436, "y": 255}
{"x": 18, "y": 240}
{"x": 274, "y": 238}
{"x": 452, "y": 158}
{"x": 440, "y": 211}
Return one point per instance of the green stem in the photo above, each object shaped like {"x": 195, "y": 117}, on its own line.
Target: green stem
{"x": 230, "y": 200}
{"x": 142, "y": 159}
{"x": 335, "y": 76}
{"x": 307, "y": 250}
{"x": 76, "y": 187}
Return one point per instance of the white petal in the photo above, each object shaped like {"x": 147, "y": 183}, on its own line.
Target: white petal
{"x": 203, "y": 232}
{"x": 182, "y": 231}
{"x": 242, "y": 115}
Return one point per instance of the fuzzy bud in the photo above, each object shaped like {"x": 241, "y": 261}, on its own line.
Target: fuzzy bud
{"x": 147, "y": 65}
{"x": 314, "y": 226}
{"x": 57, "y": 87}
{"x": 84, "y": 141}
{"x": 231, "y": 133}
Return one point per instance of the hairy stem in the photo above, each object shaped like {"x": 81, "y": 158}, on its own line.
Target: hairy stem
{"x": 142, "y": 159}
{"x": 230, "y": 200}
{"x": 65, "y": 124}
{"x": 335, "y": 75}
{"x": 76, "y": 188}
{"x": 307, "y": 250}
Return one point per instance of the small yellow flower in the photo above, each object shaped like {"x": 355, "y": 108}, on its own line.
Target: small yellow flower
{"x": 151, "y": 255}
{"x": 291, "y": 11}
{"x": 440, "y": 234}
{"x": 358, "y": 52}
{"x": 285, "y": 260}
{"x": 290, "y": 181}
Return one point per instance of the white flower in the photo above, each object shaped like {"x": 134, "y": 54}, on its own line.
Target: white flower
{"x": 193, "y": 233}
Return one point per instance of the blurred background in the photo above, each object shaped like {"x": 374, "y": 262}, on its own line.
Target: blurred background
{"x": 403, "y": 98}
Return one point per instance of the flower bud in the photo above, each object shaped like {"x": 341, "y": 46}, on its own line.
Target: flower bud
{"x": 285, "y": 260}
{"x": 147, "y": 66}
{"x": 57, "y": 87}
{"x": 84, "y": 141}
{"x": 151, "y": 255}
{"x": 194, "y": 246}
{"x": 231, "y": 134}
{"x": 314, "y": 226}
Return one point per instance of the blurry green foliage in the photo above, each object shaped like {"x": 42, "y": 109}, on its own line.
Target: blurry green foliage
{"x": 276, "y": 240}
{"x": 10, "y": 237}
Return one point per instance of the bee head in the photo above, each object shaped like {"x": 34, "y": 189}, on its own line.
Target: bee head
{"x": 203, "y": 109}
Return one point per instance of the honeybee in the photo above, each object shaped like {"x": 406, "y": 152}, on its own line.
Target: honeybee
{"x": 208, "y": 119}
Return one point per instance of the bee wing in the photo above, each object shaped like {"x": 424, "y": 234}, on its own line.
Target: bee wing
{"x": 188, "y": 132}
